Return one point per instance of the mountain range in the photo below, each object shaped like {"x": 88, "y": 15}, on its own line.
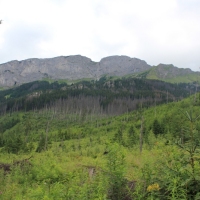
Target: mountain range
{"x": 77, "y": 67}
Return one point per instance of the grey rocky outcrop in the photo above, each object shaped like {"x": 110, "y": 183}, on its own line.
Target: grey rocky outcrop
{"x": 67, "y": 67}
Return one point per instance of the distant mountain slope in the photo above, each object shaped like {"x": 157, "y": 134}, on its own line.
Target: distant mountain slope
{"x": 67, "y": 67}
{"x": 170, "y": 73}
{"x": 72, "y": 68}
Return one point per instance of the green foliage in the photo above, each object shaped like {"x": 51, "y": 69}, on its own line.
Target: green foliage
{"x": 157, "y": 127}
{"x": 42, "y": 143}
{"x": 118, "y": 137}
{"x": 116, "y": 171}
{"x": 14, "y": 145}
{"x": 191, "y": 150}
{"x": 9, "y": 123}
{"x": 79, "y": 156}
{"x": 133, "y": 137}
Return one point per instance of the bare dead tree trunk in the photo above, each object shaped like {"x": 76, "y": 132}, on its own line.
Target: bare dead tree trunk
{"x": 182, "y": 137}
{"x": 195, "y": 94}
{"x": 46, "y": 137}
{"x": 47, "y": 131}
{"x": 141, "y": 134}
{"x": 167, "y": 96}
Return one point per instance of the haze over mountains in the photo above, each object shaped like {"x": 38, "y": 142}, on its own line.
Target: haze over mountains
{"x": 77, "y": 67}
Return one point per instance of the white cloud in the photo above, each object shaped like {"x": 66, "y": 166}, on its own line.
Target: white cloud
{"x": 158, "y": 31}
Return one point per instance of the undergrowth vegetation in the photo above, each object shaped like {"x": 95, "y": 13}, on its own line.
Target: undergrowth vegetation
{"x": 145, "y": 154}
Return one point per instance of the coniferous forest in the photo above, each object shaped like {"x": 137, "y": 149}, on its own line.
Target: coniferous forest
{"x": 111, "y": 139}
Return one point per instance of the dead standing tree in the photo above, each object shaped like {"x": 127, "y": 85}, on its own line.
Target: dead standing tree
{"x": 141, "y": 133}
{"x": 92, "y": 171}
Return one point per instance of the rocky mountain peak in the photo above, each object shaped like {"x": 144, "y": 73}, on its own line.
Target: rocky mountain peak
{"x": 67, "y": 67}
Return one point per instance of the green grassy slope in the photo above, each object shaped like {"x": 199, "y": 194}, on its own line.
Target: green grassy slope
{"x": 170, "y": 74}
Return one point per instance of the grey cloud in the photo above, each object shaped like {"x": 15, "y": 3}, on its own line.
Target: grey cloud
{"x": 22, "y": 41}
{"x": 189, "y": 5}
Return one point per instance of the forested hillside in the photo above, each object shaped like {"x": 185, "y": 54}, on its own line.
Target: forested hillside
{"x": 48, "y": 151}
{"x": 110, "y": 96}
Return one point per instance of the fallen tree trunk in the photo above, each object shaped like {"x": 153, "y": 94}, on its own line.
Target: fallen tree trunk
{"x": 7, "y": 167}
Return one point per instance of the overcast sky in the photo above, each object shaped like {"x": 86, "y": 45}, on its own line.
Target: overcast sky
{"x": 157, "y": 31}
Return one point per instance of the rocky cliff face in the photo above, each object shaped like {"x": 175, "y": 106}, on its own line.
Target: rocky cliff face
{"x": 67, "y": 67}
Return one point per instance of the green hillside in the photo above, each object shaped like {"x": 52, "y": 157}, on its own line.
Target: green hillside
{"x": 170, "y": 74}
{"x": 149, "y": 153}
